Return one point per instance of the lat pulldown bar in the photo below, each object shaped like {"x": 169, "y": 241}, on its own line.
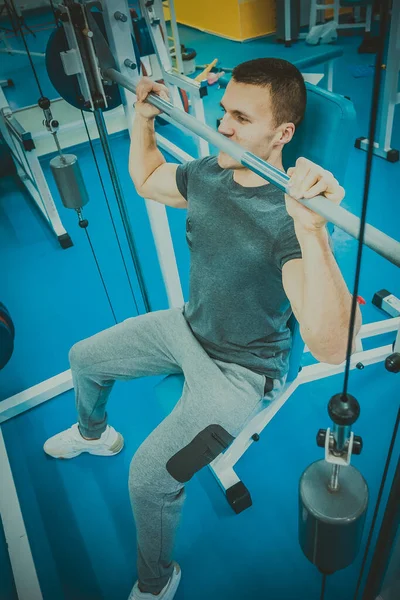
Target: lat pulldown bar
{"x": 374, "y": 238}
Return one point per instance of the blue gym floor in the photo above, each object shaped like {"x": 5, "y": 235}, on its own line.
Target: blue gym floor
{"x": 77, "y": 513}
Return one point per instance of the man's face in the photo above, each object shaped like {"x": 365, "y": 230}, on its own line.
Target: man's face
{"x": 248, "y": 120}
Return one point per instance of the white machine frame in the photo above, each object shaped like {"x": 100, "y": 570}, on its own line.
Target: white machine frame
{"x": 335, "y": 5}
{"x": 29, "y": 170}
{"x": 313, "y": 18}
{"x": 26, "y": 580}
{"x": 390, "y": 97}
{"x": 223, "y": 466}
{"x": 175, "y": 48}
{"x": 154, "y": 17}
{"x": 8, "y": 49}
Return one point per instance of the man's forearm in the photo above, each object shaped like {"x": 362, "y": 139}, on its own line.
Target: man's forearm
{"x": 144, "y": 156}
{"x": 326, "y": 306}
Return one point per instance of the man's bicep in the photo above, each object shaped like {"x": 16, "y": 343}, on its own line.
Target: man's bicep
{"x": 162, "y": 186}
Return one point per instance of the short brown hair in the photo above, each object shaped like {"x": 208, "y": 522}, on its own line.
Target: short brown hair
{"x": 285, "y": 83}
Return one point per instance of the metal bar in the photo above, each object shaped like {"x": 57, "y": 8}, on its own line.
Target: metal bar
{"x": 390, "y": 85}
{"x": 173, "y": 149}
{"x": 17, "y": 129}
{"x": 19, "y": 154}
{"x": 44, "y": 193}
{"x": 119, "y": 35}
{"x": 32, "y": 190}
{"x": 341, "y": 433}
{"x": 313, "y": 14}
{"x": 329, "y": 75}
{"x": 368, "y": 18}
{"x": 35, "y": 395}
{"x": 73, "y": 45}
{"x": 374, "y": 238}
{"x": 256, "y": 425}
{"x": 226, "y": 476}
{"x": 334, "y": 484}
{"x": 288, "y": 24}
{"x": 379, "y": 327}
{"x": 101, "y": 126}
{"x": 336, "y": 10}
{"x": 386, "y": 539}
{"x": 175, "y": 34}
{"x": 55, "y": 136}
{"x": 351, "y": 26}
{"x": 19, "y": 550}
{"x": 12, "y": 51}
{"x": 150, "y": 11}
{"x": 185, "y": 83}
{"x": 397, "y": 341}
{"x": 198, "y": 112}
{"x": 322, "y": 370}
{"x": 165, "y": 250}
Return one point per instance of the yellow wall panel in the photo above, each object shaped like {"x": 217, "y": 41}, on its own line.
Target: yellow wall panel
{"x": 167, "y": 13}
{"x": 216, "y": 16}
{"x": 257, "y": 18}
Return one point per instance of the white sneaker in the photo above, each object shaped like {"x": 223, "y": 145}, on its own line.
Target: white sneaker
{"x": 167, "y": 593}
{"x": 70, "y": 443}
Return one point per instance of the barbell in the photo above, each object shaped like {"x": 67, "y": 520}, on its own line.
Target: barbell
{"x": 375, "y": 239}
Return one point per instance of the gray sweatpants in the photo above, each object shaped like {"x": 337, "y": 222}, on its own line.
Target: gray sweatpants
{"x": 218, "y": 398}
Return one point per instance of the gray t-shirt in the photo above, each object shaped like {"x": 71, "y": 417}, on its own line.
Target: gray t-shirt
{"x": 239, "y": 238}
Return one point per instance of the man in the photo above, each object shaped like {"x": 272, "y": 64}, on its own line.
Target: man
{"x": 255, "y": 257}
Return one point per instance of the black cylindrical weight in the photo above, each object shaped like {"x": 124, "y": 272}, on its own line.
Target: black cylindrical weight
{"x": 69, "y": 180}
{"x": 331, "y": 523}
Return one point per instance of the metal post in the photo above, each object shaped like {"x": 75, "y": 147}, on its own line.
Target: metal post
{"x": 334, "y": 484}
{"x": 288, "y": 21}
{"x": 397, "y": 342}
{"x": 368, "y": 18}
{"x": 385, "y": 541}
{"x": 149, "y": 12}
{"x": 374, "y": 238}
{"x": 175, "y": 35}
{"x": 336, "y": 10}
{"x": 389, "y": 97}
{"x": 313, "y": 13}
{"x": 10, "y": 50}
{"x": 329, "y": 75}
{"x": 101, "y": 126}
{"x": 120, "y": 41}
{"x": 341, "y": 433}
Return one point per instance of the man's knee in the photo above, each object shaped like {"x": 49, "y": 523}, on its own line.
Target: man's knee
{"x": 78, "y": 355}
{"x": 148, "y": 475}
{"x": 151, "y": 473}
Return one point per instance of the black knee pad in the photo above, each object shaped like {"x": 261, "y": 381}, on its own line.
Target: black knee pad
{"x": 201, "y": 451}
